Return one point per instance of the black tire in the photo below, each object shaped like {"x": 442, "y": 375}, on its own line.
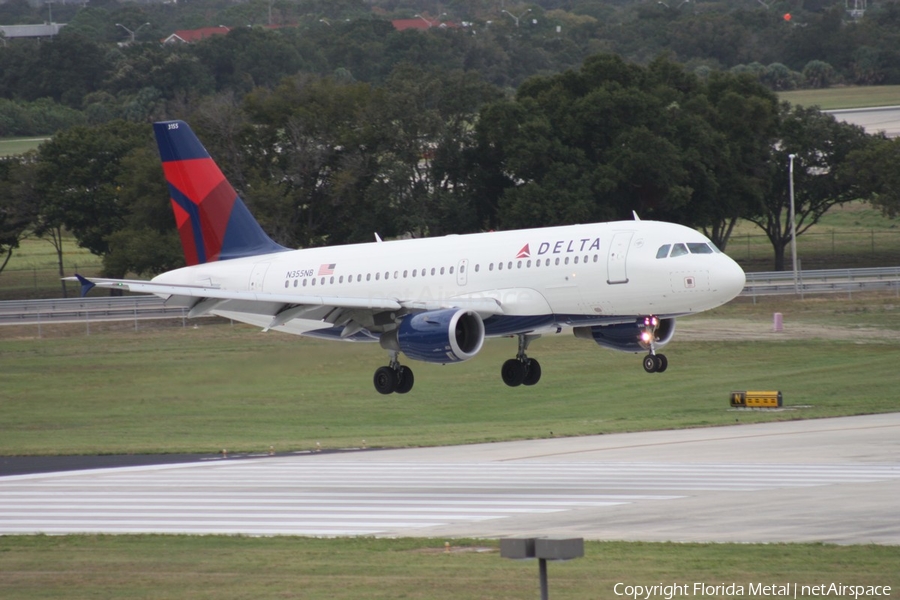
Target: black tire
{"x": 385, "y": 380}
{"x": 663, "y": 363}
{"x": 651, "y": 364}
{"x": 532, "y": 372}
{"x": 513, "y": 372}
{"x": 405, "y": 380}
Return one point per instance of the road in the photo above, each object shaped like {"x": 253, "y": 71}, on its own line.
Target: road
{"x": 873, "y": 120}
{"x": 828, "y": 480}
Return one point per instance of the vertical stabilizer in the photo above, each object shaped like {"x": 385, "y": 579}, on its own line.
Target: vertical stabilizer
{"x": 213, "y": 222}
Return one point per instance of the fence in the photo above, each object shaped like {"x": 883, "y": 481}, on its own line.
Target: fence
{"x": 825, "y": 249}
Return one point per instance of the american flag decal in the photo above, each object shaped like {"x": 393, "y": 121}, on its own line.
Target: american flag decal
{"x": 327, "y": 269}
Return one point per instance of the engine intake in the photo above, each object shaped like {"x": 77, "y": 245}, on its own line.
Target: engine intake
{"x": 628, "y": 337}
{"x": 438, "y": 336}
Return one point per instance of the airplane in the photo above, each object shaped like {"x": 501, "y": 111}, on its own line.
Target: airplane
{"x": 621, "y": 284}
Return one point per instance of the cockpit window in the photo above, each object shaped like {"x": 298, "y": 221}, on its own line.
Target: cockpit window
{"x": 663, "y": 251}
{"x": 678, "y": 250}
{"x": 699, "y": 248}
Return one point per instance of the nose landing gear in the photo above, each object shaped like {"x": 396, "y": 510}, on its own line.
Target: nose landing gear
{"x": 653, "y": 362}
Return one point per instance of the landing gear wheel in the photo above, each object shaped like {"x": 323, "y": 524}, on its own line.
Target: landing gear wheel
{"x": 386, "y": 380}
{"x": 404, "y": 379}
{"x": 651, "y": 363}
{"x": 663, "y": 363}
{"x": 513, "y": 372}
{"x": 532, "y": 372}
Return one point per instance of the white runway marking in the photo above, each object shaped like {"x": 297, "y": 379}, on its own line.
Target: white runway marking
{"x": 307, "y": 495}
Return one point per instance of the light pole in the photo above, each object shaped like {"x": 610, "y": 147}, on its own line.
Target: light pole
{"x": 515, "y": 17}
{"x": 426, "y": 21}
{"x": 793, "y": 224}
{"x": 133, "y": 33}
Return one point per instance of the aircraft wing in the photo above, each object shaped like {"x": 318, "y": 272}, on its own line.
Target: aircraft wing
{"x": 281, "y": 307}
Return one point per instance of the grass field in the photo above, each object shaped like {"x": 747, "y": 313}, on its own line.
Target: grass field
{"x": 167, "y": 388}
{"x": 845, "y": 97}
{"x": 238, "y": 567}
{"x": 19, "y": 145}
{"x": 219, "y": 386}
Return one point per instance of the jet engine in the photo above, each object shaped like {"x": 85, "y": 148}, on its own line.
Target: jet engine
{"x": 630, "y": 337}
{"x": 438, "y": 336}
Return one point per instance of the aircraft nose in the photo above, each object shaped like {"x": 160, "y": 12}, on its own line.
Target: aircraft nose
{"x": 731, "y": 278}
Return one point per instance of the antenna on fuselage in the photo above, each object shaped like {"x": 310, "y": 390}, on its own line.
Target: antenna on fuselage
{"x": 636, "y": 218}
{"x": 378, "y": 238}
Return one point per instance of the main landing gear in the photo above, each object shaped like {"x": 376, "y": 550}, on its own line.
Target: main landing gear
{"x": 394, "y": 378}
{"x": 653, "y": 362}
{"x": 521, "y": 370}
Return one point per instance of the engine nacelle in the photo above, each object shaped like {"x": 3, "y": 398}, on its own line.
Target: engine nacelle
{"x": 438, "y": 336}
{"x": 628, "y": 337}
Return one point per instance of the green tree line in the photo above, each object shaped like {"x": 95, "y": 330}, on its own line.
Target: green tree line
{"x": 93, "y": 66}
{"x": 328, "y": 160}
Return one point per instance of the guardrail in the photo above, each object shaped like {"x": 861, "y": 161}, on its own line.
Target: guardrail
{"x": 86, "y": 310}
{"x": 137, "y": 308}
{"x": 822, "y": 281}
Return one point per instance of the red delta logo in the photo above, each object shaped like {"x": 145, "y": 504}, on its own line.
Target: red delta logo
{"x": 524, "y": 252}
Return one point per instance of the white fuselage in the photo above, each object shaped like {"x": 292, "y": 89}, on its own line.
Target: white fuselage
{"x": 557, "y": 276}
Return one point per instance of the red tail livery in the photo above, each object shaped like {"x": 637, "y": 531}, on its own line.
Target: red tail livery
{"x": 213, "y": 222}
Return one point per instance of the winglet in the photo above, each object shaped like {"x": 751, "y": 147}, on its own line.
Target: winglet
{"x": 86, "y": 285}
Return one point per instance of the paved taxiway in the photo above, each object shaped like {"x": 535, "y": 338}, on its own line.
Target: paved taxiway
{"x": 830, "y": 480}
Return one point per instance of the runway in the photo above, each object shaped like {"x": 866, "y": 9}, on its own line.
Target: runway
{"x": 829, "y": 480}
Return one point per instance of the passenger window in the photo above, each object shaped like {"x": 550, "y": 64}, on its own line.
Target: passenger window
{"x": 499, "y": 266}
{"x": 477, "y": 268}
{"x": 567, "y": 260}
{"x": 368, "y": 277}
{"x": 519, "y": 266}
{"x": 341, "y": 280}
{"x": 286, "y": 282}
{"x": 509, "y": 266}
{"x": 663, "y": 251}
{"x": 442, "y": 270}
{"x": 296, "y": 282}
{"x": 462, "y": 268}
{"x": 557, "y": 262}
{"x": 304, "y": 283}
{"x": 377, "y": 276}
{"x": 678, "y": 250}
{"x": 396, "y": 274}
{"x": 491, "y": 267}
{"x": 331, "y": 280}
{"x": 314, "y": 281}
{"x": 451, "y": 270}
{"x": 322, "y": 282}
{"x": 405, "y": 273}
{"x": 698, "y": 248}
{"x": 576, "y": 260}
{"x": 528, "y": 264}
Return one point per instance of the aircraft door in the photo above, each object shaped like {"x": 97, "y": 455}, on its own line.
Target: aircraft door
{"x": 258, "y": 276}
{"x": 462, "y": 275}
{"x": 618, "y": 253}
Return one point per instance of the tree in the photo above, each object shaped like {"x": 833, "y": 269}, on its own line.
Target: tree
{"x": 823, "y": 176}
{"x": 78, "y": 170}
{"x": 17, "y": 203}
{"x": 876, "y": 168}
{"x": 148, "y": 243}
